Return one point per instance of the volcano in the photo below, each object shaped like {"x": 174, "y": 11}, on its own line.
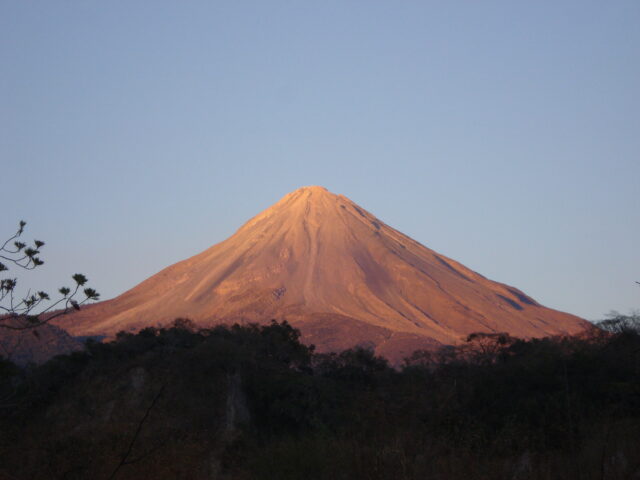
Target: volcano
{"x": 337, "y": 273}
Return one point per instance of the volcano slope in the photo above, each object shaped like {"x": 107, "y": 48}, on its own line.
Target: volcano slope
{"x": 336, "y": 272}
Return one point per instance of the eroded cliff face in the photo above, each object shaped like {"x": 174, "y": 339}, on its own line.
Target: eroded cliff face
{"x": 336, "y": 272}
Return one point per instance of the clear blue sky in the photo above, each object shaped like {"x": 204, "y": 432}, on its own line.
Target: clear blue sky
{"x": 505, "y": 135}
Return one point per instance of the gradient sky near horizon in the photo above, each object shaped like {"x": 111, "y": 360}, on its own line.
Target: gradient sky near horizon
{"x": 503, "y": 134}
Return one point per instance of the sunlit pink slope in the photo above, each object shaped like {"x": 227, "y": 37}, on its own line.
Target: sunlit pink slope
{"x": 339, "y": 274}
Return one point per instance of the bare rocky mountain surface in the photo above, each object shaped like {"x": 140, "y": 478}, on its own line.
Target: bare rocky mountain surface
{"x": 336, "y": 272}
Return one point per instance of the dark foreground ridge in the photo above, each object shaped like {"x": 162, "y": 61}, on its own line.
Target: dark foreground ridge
{"x": 252, "y": 402}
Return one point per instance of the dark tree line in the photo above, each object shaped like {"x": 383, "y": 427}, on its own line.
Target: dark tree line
{"x": 252, "y": 402}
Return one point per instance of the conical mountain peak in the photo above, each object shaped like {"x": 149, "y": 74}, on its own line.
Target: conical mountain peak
{"x": 339, "y": 274}
{"x": 312, "y": 189}
{"x": 308, "y": 195}
{"x": 306, "y": 206}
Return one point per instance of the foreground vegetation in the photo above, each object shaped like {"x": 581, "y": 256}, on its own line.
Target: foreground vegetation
{"x": 252, "y": 402}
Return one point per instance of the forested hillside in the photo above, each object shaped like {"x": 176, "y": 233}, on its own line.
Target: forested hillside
{"x": 252, "y": 402}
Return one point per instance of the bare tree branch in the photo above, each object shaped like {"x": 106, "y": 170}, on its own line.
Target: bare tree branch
{"x": 27, "y": 312}
{"x": 124, "y": 460}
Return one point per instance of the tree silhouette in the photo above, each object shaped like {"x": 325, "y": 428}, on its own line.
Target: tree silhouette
{"x": 19, "y": 312}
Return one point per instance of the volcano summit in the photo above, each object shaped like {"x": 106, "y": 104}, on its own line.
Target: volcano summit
{"x": 336, "y": 272}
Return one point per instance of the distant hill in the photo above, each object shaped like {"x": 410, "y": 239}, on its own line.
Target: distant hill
{"x": 36, "y": 345}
